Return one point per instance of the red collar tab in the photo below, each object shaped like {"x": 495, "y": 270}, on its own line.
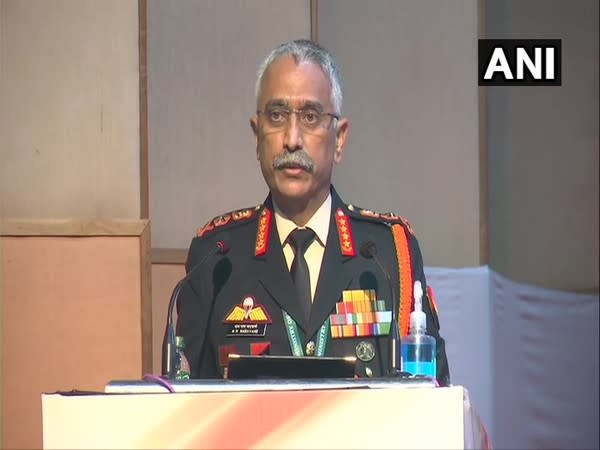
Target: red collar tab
{"x": 263, "y": 233}
{"x": 345, "y": 233}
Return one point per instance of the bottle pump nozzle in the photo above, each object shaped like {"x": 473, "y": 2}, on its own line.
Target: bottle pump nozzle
{"x": 418, "y": 320}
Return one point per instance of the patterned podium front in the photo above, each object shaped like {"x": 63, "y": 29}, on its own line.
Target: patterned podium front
{"x": 362, "y": 418}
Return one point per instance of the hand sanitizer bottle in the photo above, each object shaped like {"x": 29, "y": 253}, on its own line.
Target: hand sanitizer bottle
{"x": 418, "y": 348}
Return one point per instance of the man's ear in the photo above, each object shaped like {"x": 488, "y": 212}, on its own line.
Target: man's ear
{"x": 254, "y": 126}
{"x": 341, "y": 133}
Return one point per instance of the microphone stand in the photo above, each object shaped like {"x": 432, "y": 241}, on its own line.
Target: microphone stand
{"x": 369, "y": 250}
{"x": 169, "y": 350}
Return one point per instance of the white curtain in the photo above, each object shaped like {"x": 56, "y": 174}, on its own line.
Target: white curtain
{"x": 527, "y": 355}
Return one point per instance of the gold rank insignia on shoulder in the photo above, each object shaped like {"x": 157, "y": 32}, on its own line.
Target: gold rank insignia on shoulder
{"x": 239, "y": 215}
{"x": 369, "y": 213}
{"x": 247, "y": 319}
{"x": 209, "y": 226}
{"x": 242, "y": 214}
{"x": 388, "y": 217}
{"x": 219, "y": 221}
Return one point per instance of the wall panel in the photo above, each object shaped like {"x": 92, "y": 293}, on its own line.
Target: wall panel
{"x": 202, "y": 62}
{"x": 411, "y": 97}
{"x": 76, "y": 314}
{"x": 543, "y": 147}
{"x": 69, "y": 115}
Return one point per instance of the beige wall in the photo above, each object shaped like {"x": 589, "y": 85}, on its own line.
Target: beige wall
{"x": 69, "y": 115}
{"x": 202, "y": 60}
{"x": 412, "y": 98}
{"x": 543, "y": 145}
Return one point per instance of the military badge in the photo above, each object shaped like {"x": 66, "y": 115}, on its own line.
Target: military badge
{"x": 360, "y": 313}
{"x": 247, "y": 319}
{"x": 365, "y": 351}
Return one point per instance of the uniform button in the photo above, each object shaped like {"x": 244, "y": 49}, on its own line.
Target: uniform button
{"x": 310, "y": 348}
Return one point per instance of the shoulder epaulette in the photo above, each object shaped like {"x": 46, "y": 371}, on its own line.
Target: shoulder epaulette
{"x": 388, "y": 217}
{"x": 228, "y": 220}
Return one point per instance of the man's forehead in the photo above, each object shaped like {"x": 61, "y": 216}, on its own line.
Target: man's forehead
{"x": 297, "y": 103}
{"x": 295, "y": 82}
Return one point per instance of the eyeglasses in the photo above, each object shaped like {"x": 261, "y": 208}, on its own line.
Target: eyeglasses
{"x": 310, "y": 119}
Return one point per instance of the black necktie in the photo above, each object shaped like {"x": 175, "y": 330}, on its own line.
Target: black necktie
{"x": 300, "y": 239}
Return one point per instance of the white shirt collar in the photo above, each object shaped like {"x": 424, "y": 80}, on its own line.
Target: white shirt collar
{"x": 319, "y": 222}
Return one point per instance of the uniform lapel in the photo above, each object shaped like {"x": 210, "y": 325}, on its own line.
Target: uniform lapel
{"x": 275, "y": 277}
{"x": 333, "y": 277}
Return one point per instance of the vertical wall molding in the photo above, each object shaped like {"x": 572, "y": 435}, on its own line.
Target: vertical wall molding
{"x": 484, "y": 244}
{"x": 146, "y": 300}
{"x": 314, "y": 20}
{"x": 143, "y": 60}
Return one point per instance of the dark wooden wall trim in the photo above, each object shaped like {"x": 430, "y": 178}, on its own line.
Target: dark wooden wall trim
{"x": 144, "y": 183}
{"x": 169, "y": 256}
{"x": 314, "y": 20}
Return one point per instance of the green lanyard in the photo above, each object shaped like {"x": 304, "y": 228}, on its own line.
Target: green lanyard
{"x": 294, "y": 336}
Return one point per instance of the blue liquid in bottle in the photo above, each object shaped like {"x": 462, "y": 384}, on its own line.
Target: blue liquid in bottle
{"x": 418, "y": 355}
{"x": 418, "y": 349}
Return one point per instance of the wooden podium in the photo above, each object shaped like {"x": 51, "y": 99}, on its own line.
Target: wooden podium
{"x": 308, "y": 416}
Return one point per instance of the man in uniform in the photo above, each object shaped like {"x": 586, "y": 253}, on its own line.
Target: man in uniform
{"x": 295, "y": 281}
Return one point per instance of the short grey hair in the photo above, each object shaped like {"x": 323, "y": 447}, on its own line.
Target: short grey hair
{"x": 303, "y": 51}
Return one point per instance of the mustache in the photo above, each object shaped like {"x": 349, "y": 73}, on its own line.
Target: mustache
{"x": 299, "y": 158}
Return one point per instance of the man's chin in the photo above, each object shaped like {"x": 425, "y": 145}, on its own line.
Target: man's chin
{"x": 292, "y": 190}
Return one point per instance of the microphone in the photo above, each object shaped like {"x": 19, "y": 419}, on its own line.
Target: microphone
{"x": 169, "y": 350}
{"x": 368, "y": 250}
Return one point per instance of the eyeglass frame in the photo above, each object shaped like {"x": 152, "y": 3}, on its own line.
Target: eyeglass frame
{"x": 298, "y": 111}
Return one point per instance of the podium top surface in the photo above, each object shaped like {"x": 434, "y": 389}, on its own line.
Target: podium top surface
{"x": 156, "y": 385}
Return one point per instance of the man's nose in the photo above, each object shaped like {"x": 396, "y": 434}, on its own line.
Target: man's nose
{"x": 293, "y": 134}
